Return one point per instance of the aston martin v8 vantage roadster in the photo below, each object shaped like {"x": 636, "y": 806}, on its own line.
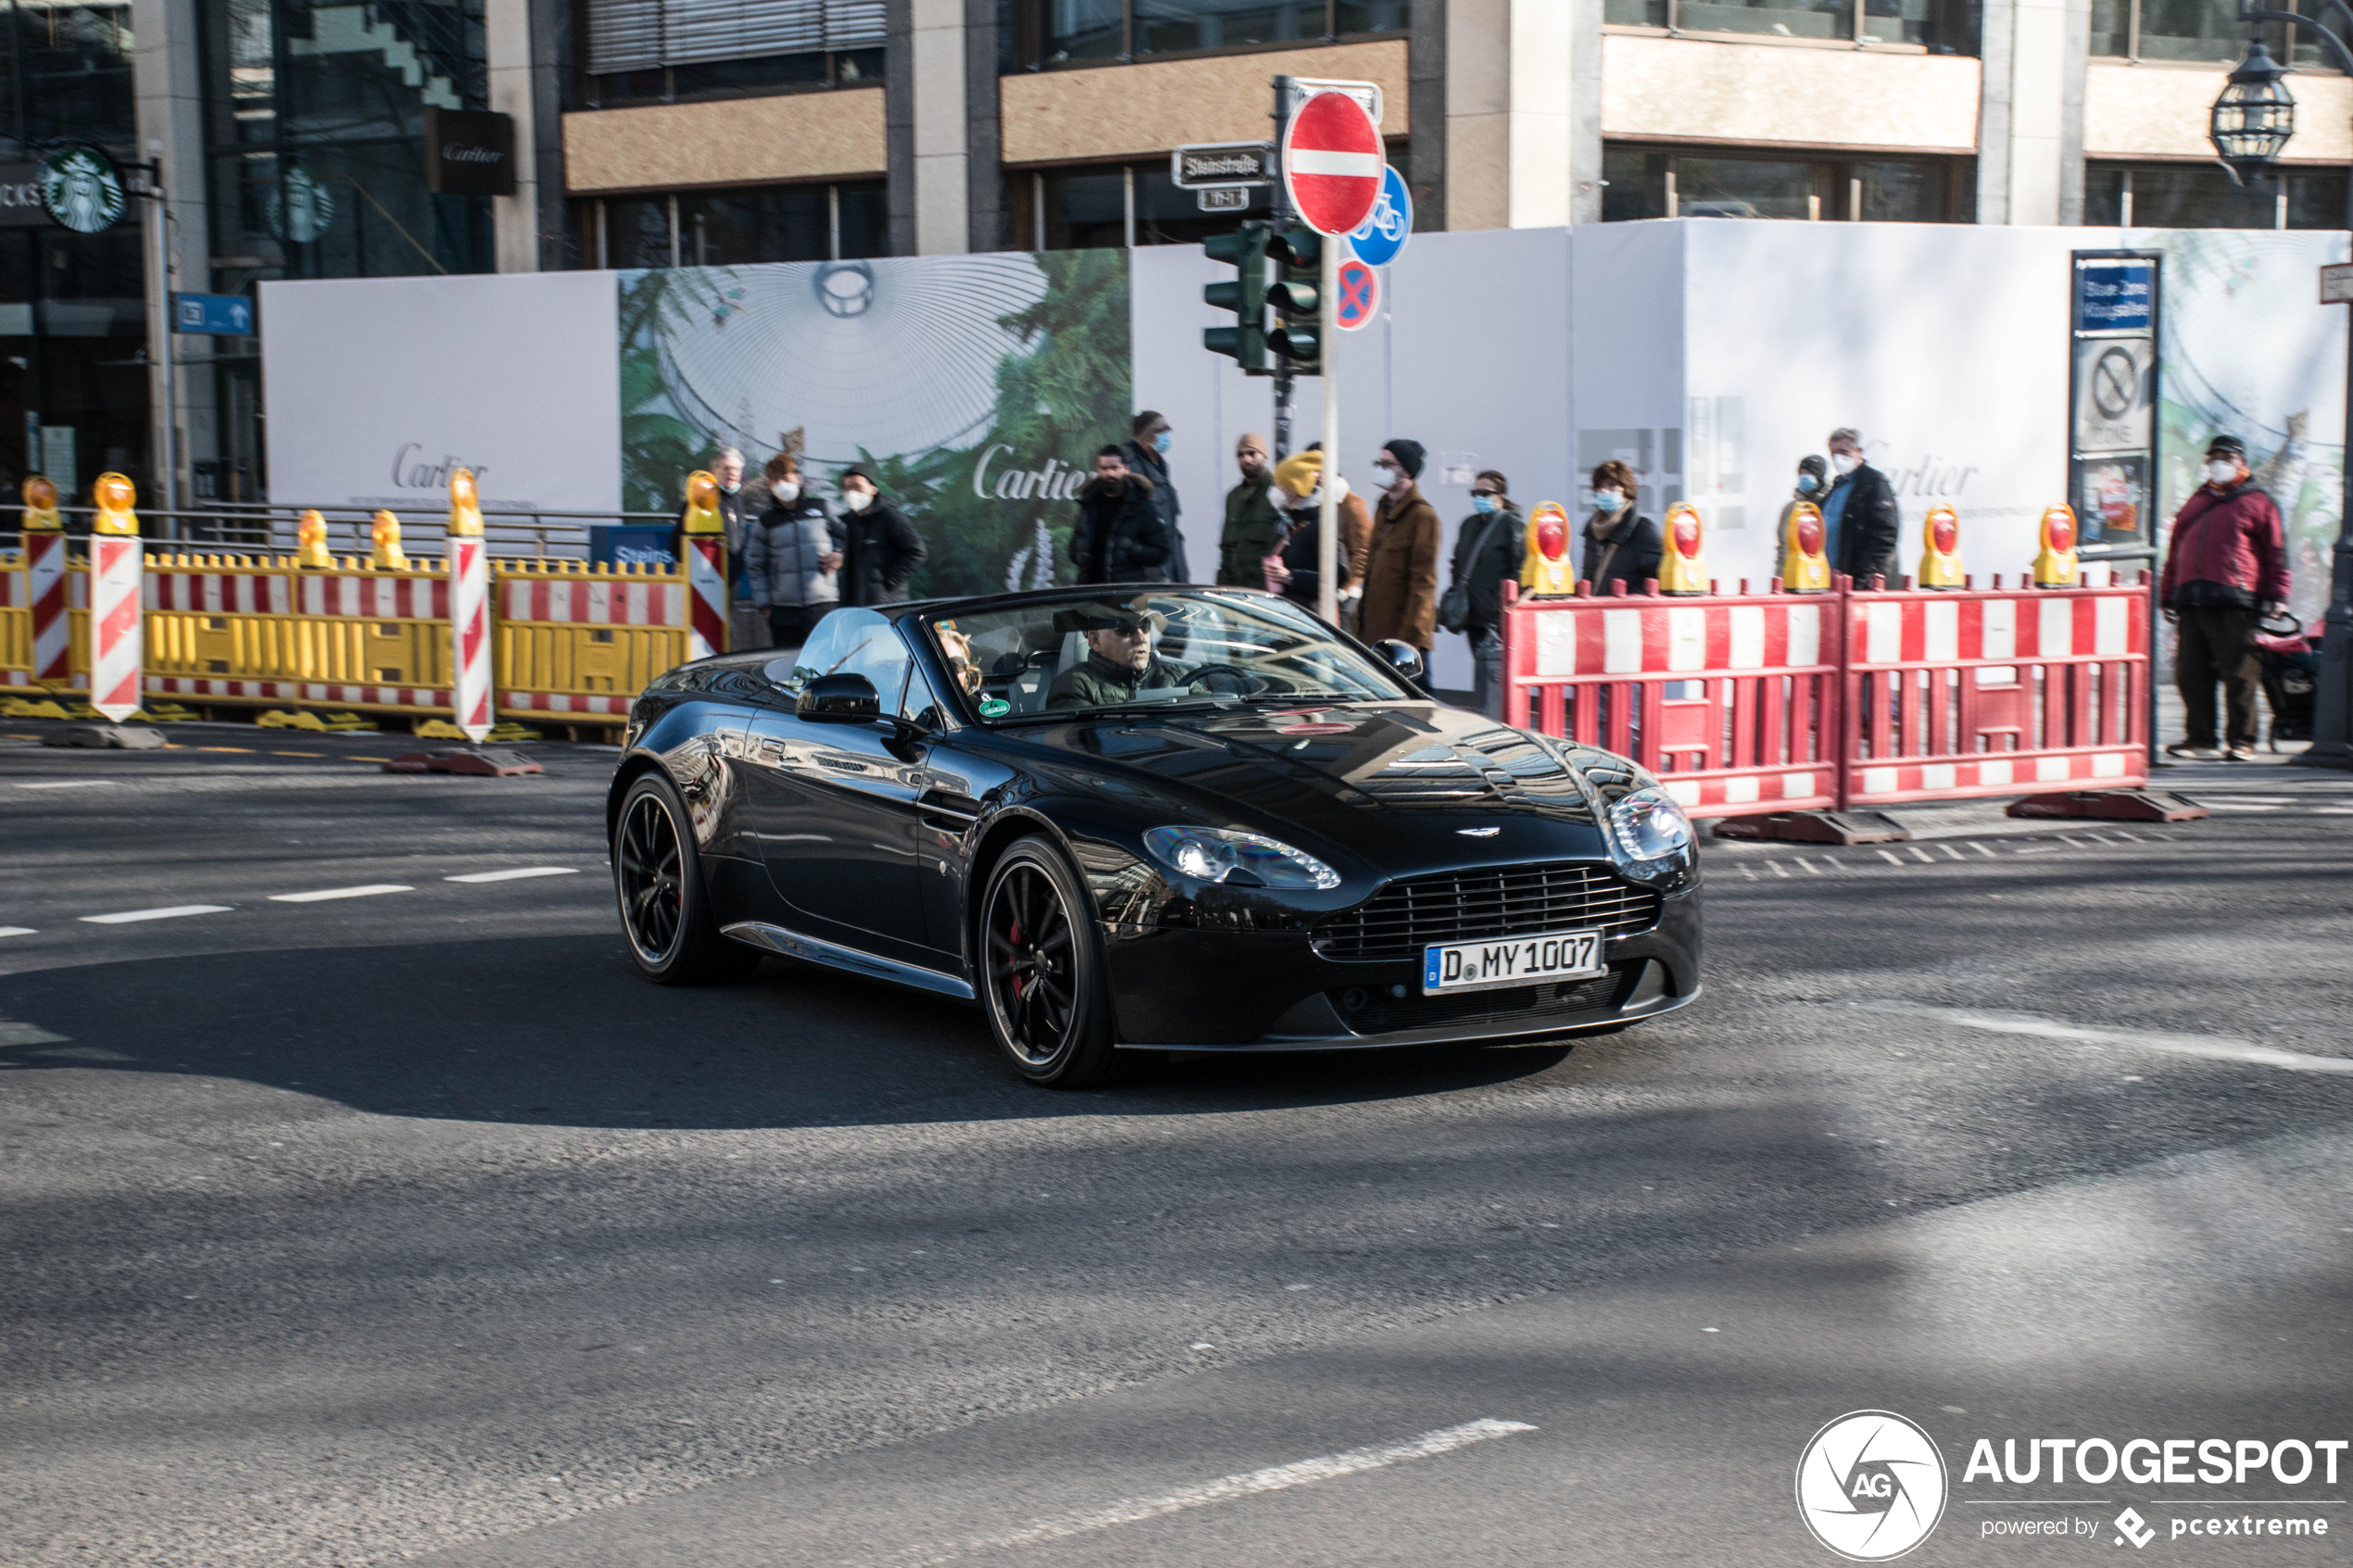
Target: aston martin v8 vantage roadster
{"x": 1135, "y": 818}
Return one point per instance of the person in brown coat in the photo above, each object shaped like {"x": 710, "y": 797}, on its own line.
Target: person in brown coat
{"x": 1401, "y": 565}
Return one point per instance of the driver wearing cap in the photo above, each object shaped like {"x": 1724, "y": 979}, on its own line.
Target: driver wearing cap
{"x": 1120, "y": 661}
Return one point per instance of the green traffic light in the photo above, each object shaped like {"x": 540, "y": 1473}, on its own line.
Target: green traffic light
{"x": 1245, "y": 296}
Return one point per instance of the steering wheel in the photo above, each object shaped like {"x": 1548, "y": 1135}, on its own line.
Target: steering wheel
{"x": 1242, "y": 678}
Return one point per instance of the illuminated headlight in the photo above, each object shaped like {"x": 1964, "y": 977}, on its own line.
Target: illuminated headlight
{"x": 1220, "y": 855}
{"x": 1652, "y": 836}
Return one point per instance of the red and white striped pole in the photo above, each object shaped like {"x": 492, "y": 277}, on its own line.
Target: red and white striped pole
{"x": 45, "y": 586}
{"x": 469, "y": 567}
{"x": 115, "y": 611}
{"x": 705, "y": 549}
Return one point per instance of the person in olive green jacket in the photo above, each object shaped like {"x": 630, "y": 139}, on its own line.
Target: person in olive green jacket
{"x": 1400, "y": 567}
{"x": 1121, "y": 658}
{"x": 1253, "y": 520}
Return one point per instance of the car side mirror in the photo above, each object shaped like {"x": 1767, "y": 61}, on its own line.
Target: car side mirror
{"x": 840, "y": 699}
{"x": 1403, "y": 658}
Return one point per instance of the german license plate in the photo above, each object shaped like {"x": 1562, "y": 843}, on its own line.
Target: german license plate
{"x": 1511, "y": 960}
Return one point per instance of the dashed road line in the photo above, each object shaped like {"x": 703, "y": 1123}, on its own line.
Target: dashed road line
{"x": 2217, "y": 1047}
{"x": 1280, "y": 1477}
{"x": 516, "y": 874}
{"x": 174, "y": 912}
{"x": 1889, "y": 858}
{"x": 323, "y": 893}
{"x": 1982, "y": 850}
{"x": 18, "y": 930}
{"x": 1952, "y": 853}
{"x": 68, "y": 783}
{"x": 1922, "y": 855}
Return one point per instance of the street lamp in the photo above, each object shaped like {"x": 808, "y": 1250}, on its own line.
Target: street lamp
{"x": 2251, "y": 122}
{"x": 2255, "y": 116}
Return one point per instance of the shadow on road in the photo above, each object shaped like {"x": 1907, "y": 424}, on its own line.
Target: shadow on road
{"x": 561, "y": 1030}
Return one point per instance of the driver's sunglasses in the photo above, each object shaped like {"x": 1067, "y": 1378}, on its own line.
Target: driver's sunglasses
{"x": 1490, "y": 494}
{"x": 1131, "y": 631}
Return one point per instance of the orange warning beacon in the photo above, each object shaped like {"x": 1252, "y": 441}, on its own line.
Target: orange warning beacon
{"x": 1680, "y": 571}
{"x": 1805, "y": 569}
{"x": 1545, "y": 571}
{"x": 2054, "y": 566}
{"x": 1939, "y": 548}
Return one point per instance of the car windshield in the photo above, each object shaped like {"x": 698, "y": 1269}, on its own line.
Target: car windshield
{"x": 1132, "y": 649}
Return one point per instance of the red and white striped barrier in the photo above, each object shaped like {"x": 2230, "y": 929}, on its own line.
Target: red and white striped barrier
{"x": 48, "y": 589}
{"x": 116, "y": 625}
{"x": 1778, "y": 702}
{"x": 1726, "y": 698}
{"x": 601, "y": 602}
{"x": 469, "y": 611}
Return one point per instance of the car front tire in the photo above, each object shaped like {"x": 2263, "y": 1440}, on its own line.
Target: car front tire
{"x": 665, "y": 908}
{"x": 1045, "y": 984}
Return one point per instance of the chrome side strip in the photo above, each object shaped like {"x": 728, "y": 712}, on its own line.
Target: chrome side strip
{"x": 793, "y": 945}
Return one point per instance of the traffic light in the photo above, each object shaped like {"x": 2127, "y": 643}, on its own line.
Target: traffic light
{"x": 1245, "y": 342}
{"x": 1298, "y": 296}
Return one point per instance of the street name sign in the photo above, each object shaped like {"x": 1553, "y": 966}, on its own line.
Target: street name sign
{"x": 1223, "y": 198}
{"x": 1211, "y": 166}
{"x": 1332, "y": 163}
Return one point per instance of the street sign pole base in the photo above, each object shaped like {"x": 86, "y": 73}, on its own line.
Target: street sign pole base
{"x": 2323, "y": 754}
{"x": 2112, "y": 805}
{"x": 491, "y": 764}
{"x": 1817, "y": 827}
{"x": 104, "y": 737}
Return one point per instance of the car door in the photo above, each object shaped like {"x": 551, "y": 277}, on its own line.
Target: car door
{"x": 832, "y": 806}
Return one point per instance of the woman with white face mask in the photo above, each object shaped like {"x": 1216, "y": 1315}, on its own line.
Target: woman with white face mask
{"x": 792, "y": 555}
{"x": 1621, "y": 545}
{"x": 2225, "y": 568}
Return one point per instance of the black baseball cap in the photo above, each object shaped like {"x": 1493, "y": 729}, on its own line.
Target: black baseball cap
{"x": 2229, "y": 445}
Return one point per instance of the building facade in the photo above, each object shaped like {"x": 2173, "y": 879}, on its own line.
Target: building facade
{"x": 290, "y": 139}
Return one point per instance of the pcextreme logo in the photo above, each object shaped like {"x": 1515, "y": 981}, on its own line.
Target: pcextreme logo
{"x": 1870, "y": 1486}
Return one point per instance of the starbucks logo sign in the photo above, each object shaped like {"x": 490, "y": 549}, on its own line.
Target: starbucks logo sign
{"x": 302, "y": 208}
{"x": 81, "y": 190}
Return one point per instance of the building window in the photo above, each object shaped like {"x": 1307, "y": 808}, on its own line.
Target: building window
{"x": 737, "y": 227}
{"x": 1647, "y": 181}
{"x": 68, "y": 76}
{"x": 1941, "y": 27}
{"x": 2200, "y": 195}
{"x": 2199, "y": 30}
{"x": 672, "y": 50}
{"x": 1046, "y": 33}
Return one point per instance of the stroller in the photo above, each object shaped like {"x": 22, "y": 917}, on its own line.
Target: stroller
{"x": 2291, "y": 665}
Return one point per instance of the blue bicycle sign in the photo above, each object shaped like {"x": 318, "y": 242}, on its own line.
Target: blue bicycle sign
{"x": 1382, "y": 234}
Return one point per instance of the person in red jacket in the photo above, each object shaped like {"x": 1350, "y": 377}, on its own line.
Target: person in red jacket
{"x": 2224, "y": 572}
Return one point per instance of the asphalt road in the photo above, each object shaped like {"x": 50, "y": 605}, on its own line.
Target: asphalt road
{"x": 411, "y": 1224}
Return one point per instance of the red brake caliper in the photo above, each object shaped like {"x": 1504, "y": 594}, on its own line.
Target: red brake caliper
{"x": 1020, "y": 981}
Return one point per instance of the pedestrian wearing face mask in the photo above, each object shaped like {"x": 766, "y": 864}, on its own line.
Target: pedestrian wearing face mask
{"x": 1294, "y": 569}
{"x": 1812, "y": 487}
{"x": 2225, "y": 569}
{"x": 1147, "y": 454}
{"x": 747, "y": 623}
{"x": 1487, "y": 550}
{"x": 1861, "y": 523}
{"x": 880, "y": 547}
{"x": 1254, "y": 521}
{"x": 792, "y": 556}
{"x": 1401, "y": 564}
{"x": 1621, "y": 545}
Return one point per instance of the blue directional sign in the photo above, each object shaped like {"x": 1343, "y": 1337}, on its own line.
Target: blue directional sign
{"x": 228, "y": 315}
{"x": 1382, "y": 234}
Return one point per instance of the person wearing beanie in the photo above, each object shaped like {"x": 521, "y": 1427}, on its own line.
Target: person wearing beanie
{"x": 1295, "y": 569}
{"x": 1252, "y": 519}
{"x": 2226, "y": 568}
{"x": 1401, "y": 564}
{"x": 883, "y": 548}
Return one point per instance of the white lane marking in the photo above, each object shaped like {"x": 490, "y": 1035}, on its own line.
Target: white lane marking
{"x": 2220, "y": 806}
{"x": 18, "y": 930}
{"x": 516, "y": 874}
{"x": 2039, "y": 849}
{"x": 2065, "y": 838}
{"x": 1922, "y": 855}
{"x": 1749, "y": 871}
{"x": 1779, "y": 870}
{"x": 68, "y": 784}
{"x": 2218, "y": 1048}
{"x": 1280, "y": 1477}
{"x": 1981, "y": 849}
{"x": 1891, "y": 859}
{"x": 326, "y": 893}
{"x": 1811, "y": 868}
{"x": 1951, "y": 852}
{"x": 173, "y": 913}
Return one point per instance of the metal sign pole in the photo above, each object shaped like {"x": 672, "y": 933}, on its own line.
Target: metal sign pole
{"x": 1328, "y": 522}
{"x": 159, "y": 301}
{"x": 1280, "y": 196}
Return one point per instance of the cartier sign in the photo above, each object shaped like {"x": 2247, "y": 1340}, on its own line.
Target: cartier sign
{"x": 469, "y": 153}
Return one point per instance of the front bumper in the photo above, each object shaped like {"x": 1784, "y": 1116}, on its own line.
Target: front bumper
{"x": 1192, "y": 989}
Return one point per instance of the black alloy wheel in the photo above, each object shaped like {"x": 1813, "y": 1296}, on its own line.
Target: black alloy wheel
{"x": 665, "y": 910}
{"x": 1042, "y": 971}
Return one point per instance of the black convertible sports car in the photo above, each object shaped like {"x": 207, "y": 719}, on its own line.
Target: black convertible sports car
{"x": 1146, "y": 818}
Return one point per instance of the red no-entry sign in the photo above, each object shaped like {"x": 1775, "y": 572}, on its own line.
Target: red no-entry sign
{"x": 1332, "y": 163}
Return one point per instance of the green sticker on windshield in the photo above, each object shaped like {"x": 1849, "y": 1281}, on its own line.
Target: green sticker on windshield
{"x": 994, "y": 708}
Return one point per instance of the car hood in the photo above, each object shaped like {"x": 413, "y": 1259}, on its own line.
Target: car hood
{"x": 1411, "y": 783}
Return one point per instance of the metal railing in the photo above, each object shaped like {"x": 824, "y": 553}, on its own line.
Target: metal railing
{"x": 541, "y": 535}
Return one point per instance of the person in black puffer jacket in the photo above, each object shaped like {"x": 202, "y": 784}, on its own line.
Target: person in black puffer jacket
{"x": 881, "y": 548}
{"x": 1119, "y": 537}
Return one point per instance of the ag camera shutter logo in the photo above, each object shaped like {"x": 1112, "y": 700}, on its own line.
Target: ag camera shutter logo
{"x": 1871, "y": 1486}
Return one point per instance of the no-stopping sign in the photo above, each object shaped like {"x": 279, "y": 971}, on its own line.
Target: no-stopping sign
{"x": 1332, "y": 163}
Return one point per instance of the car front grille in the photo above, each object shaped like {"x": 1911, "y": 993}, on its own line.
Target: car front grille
{"x": 1412, "y": 913}
{"x": 1370, "y": 1009}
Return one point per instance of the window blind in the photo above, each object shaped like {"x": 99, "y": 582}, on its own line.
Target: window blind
{"x": 638, "y": 34}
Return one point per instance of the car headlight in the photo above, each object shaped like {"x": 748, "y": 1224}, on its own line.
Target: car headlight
{"x": 1221, "y": 855}
{"x": 1653, "y": 837}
